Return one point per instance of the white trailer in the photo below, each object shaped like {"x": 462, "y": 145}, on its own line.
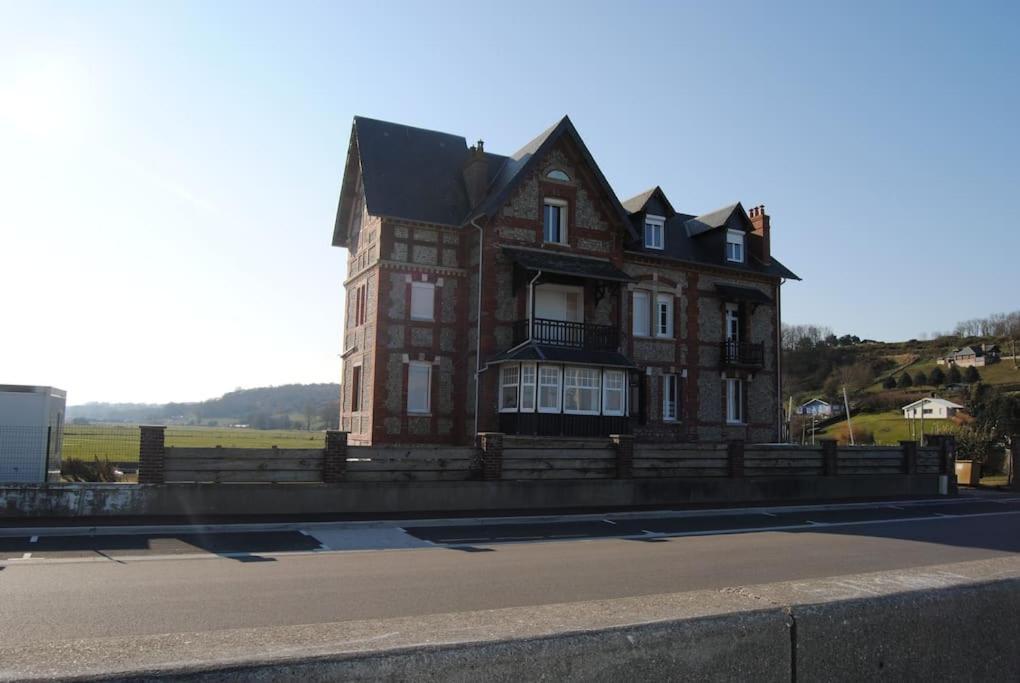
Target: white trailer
{"x": 31, "y": 433}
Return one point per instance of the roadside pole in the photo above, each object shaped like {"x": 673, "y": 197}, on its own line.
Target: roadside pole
{"x": 846, "y": 406}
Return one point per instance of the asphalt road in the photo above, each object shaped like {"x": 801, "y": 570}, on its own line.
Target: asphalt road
{"x": 118, "y": 585}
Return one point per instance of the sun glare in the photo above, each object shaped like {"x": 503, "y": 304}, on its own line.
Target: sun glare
{"x": 45, "y": 99}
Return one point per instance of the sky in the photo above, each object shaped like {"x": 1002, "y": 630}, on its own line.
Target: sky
{"x": 169, "y": 172}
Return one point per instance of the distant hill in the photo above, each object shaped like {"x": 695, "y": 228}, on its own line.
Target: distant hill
{"x": 287, "y": 406}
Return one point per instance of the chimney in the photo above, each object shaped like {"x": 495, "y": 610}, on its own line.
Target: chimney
{"x": 476, "y": 174}
{"x": 760, "y": 221}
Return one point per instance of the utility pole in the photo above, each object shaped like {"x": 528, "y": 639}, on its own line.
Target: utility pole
{"x": 846, "y": 405}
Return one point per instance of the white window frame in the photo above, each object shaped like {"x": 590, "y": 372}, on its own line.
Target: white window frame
{"x": 528, "y": 389}
{"x": 736, "y": 238}
{"x": 664, "y": 302}
{"x": 563, "y": 206}
{"x": 558, "y": 385}
{"x": 509, "y": 377}
{"x": 622, "y": 390}
{"x": 732, "y": 323}
{"x": 674, "y": 380}
{"x": 596, "y": 390}
{"x": 655, "y": 232}
{"x": 645, "y": 306}
{"x": 426, "y": 292}
{"x": 427, "y": 367}
{"x": 734, "y": 401}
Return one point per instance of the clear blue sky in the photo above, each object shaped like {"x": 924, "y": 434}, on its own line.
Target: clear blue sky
{"x": 169, "y": 172}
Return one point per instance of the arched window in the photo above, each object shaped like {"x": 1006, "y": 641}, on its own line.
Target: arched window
{"x": 557, "y": 174}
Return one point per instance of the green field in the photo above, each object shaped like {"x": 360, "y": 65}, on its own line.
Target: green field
{"x": 888, "y": 428}
{"x": 120, "y": 442}
{"x": 1002, "y": 374}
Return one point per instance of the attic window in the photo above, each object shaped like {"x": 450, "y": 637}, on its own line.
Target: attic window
{"x": 735, "y": 246}
{"x": 557, "y": 174}
{"x": 654, "y": 232}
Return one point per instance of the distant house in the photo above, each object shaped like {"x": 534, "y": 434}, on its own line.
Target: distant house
{"x": 816, "y": 407}
{"x": 972, "y": 356}
{"x": 931, "y": 409}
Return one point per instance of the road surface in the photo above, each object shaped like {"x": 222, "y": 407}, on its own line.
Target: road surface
{"x": 59, "y": 588}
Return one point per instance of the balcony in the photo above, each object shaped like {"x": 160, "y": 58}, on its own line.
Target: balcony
{"x": 743, "y": 354}
{"x": 568, "y": 334}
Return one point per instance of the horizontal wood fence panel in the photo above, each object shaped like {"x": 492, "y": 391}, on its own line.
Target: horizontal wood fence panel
{"x": 517, "y": 443}
{"x": 679, "y": 472}
{"x": 558, "y": 474}
{"x": 560, "y": 464}
{"x": 781, "y": 472}
{"x": 680, "y": 462}
{"x": 870, "y": 470}
{"x": 402, "y": 453}
{"x": 438, "y": 464}
{"x": 248, "y": 477}
{"x": 552, "y": 453}
{"x": 211, "y": 465}
{"x": 177, "y": 452}
{"x": 680, "y": 447}
{"x": 813, "y": 454}
{"x": 398, "y": 476}
{"x": 863, "y": 452}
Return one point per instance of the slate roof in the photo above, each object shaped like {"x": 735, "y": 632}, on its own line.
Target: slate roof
{"x": 559, "y": 354}
{"x": 564, "y": 264}
{"x": 417, "y": 174}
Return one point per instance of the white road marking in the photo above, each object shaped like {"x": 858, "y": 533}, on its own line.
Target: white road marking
{"x": 26, "y": 556}
{"x": 34, "y": 539}
{"x": 609, "y": 521}
{"x": 770, "y": 514}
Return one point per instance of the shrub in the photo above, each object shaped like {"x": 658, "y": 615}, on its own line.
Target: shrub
{"x": 937, "y": 377}
{"x": 889, "y": 383}
{"x": 73, "y": 469}
{"x": 972, "y": 375}
{"x": 920, "y": 379}
{"x": 954, "y": 376}
{"x": 905, "y": 382}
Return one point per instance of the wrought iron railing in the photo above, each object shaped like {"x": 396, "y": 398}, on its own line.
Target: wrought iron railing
{"x": 748, "y": 354}
{"x": 569, "y": 334}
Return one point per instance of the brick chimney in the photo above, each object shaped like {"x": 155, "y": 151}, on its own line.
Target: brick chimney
{"x": 476, "y": 174}
{"x": 760, "y": 221}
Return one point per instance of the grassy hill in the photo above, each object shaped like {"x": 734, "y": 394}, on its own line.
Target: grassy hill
{"x": 812, "y": 370}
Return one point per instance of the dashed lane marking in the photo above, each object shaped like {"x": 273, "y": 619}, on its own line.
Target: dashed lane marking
{"x": 34, "y": 539}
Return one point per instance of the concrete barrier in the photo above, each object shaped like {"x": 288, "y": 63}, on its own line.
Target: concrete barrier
{"x": 952, "y": 622}
{"x": 387, "y": 498}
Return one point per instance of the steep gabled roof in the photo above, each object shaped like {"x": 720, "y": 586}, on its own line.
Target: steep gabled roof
{"x": 523, "y": 161}
{"x": 406, "y": 172}
{"x": 637, "y": 203}
{"x": 730, "y": 216}
{"x": 935, "y": 401}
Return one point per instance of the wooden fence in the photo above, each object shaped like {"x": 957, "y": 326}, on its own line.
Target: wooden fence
{"x": 524, "y": 459}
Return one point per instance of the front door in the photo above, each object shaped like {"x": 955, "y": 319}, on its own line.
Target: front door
{"x": 732, "y": 323}
{"x": 560, "y": 306}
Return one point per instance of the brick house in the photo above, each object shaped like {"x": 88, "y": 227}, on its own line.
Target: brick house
{"x": 594, "y": 316}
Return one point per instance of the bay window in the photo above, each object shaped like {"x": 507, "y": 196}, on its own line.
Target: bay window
{"x": 614, "y": 384}
{"x": 509, "y": 375}
{"x": 528, "y": 388}
{"x": 581, "y": 391}
{"x": 548, "y": 389}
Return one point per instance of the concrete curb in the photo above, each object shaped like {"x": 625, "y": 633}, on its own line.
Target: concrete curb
{"x": 946, "y": 622}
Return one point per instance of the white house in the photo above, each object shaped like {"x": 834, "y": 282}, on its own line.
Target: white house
{"x": 815, "y": 406}
{"x": 931, "y": 409}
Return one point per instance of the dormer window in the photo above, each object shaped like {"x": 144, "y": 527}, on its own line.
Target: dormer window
{"x": 654, "y": 232}
{"x": 554, "y": 223}
{"x": 735, "y": 246}
{"x": 557, "y": 174}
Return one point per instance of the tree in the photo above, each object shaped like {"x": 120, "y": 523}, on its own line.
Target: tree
{"x": 972, "y": 375}
{"x": 889, "y": 383}
{"x": 905, "y": 381}
{"x": 920, "y": 379}
{"x": 937, "y": 377}
{"x": 954, "y": 376}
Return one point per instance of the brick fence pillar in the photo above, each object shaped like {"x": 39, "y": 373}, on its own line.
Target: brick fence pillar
{"x": 151, "y": 454}
{"x": 624, "y": 446}
{"x": 909, "y": 456}
{"x": 830, "y": 457}
{"x": 334, "y": 458}
{"x": 491, "y": 445}
{"x": 735, "y": 455}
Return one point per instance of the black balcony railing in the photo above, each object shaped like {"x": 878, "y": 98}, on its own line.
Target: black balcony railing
{"x": 564, "y": 333}
{"x": 745, "y": 354}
